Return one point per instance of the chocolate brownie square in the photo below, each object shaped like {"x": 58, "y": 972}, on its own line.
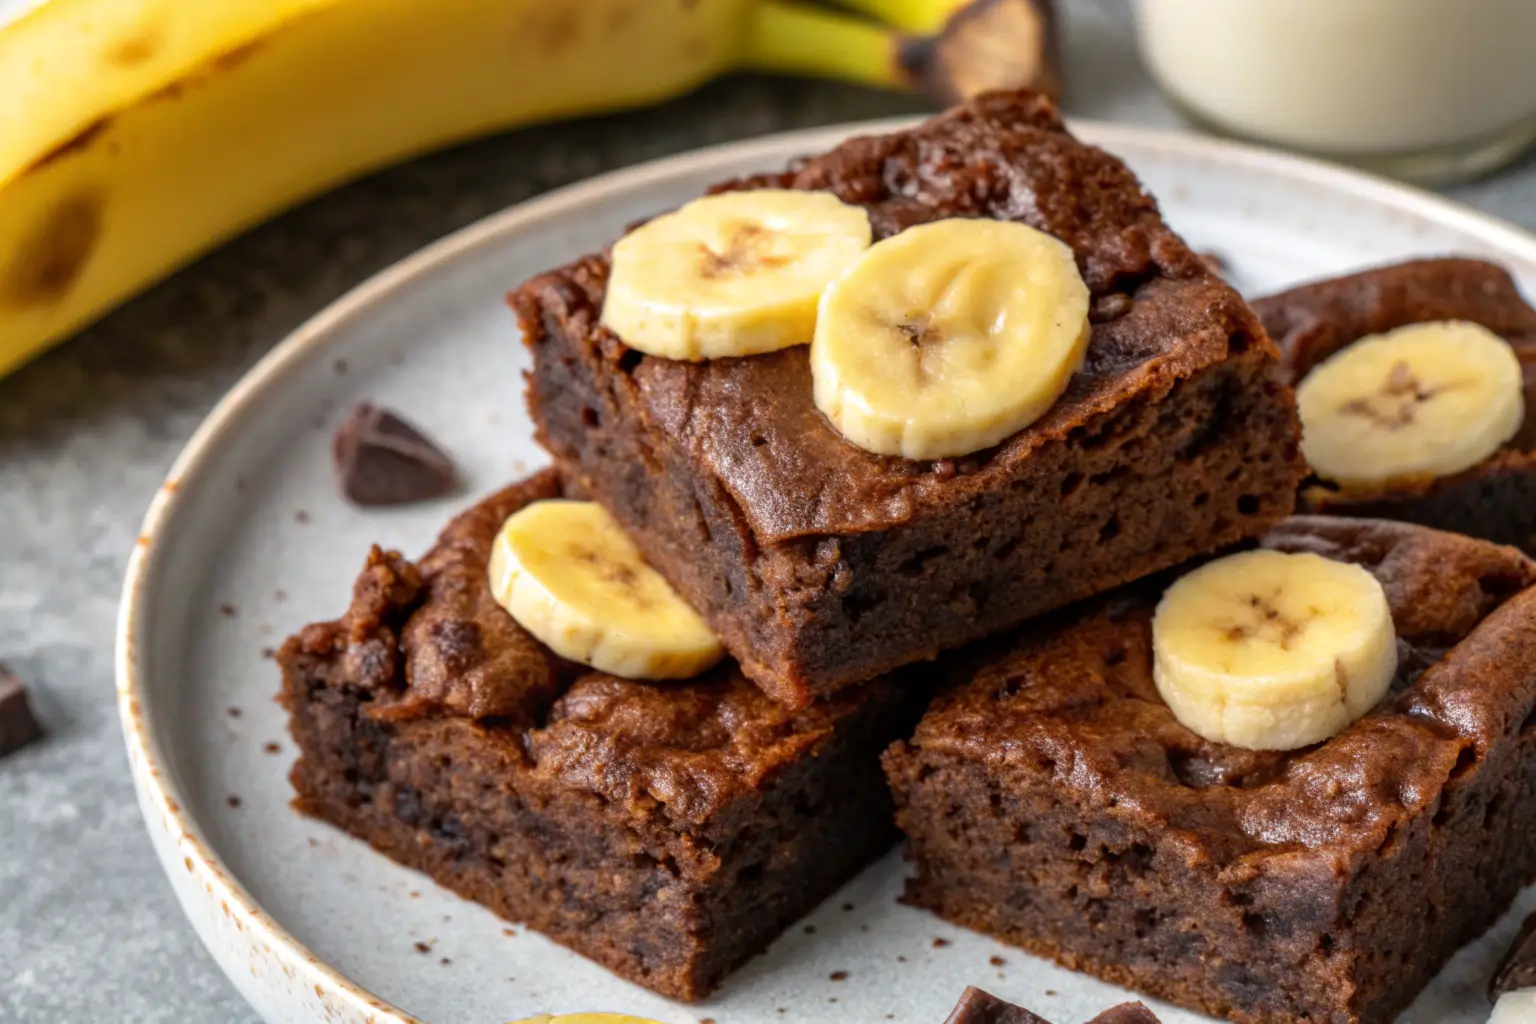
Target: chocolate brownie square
{"x": 1053, "y": 800}
{"x": 668, "y": 831}
{"x": 820, "y": 564}
{"x": 1495, "y": 499}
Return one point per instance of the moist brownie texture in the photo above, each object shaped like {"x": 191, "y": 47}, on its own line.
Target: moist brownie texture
{"x": 978, "y": 1007}
{"x": 820, "y": 564}
{"x": 668, "y": 831}
{"x": 1054, "y": 802}
{"x": 1496, "y": 499}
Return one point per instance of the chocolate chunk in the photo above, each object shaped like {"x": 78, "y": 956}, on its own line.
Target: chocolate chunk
{"x": 18, "y": 726}
{"x": 978, "y": 1007}
{"x": 383, "y": 460}
{"x": 1518, "y": 969}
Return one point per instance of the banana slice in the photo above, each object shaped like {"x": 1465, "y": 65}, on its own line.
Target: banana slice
{"x": 733, "y": 274}
{"x": 570, "y": 576}
{"x": 949, "y": 337}
{"x": 1273, "y": 651}
{"x": 1424, "y": 400}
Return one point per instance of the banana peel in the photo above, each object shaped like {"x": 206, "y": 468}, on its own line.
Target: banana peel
{"x": 142, "y": 133}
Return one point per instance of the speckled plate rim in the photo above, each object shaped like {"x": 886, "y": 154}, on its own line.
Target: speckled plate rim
{"x": 256, "y": 952}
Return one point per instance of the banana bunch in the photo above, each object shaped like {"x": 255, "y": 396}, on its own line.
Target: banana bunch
{"x": 137, "y": 134}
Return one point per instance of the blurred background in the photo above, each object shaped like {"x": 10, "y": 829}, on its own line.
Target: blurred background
{"x": 88, "y": 929}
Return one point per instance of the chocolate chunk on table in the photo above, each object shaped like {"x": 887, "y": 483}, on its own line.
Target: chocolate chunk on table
{"x": 1518, "y": 969}
{"x": 978, "y": 1007}
{"x": 383, "y": 460}
{"x": 18, "y": 726}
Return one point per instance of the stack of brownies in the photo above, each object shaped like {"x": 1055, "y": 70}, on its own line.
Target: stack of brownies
{"x": 968, "y": 635}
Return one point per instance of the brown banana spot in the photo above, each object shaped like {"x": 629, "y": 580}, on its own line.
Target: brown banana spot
{"x": 619, "y": 18}
{"x": 744, "y": 254}
{"x": 613, "y": 572}
{"x": 1272, "y": 624}
{"x": 553, "y": 28}
{"x": 133, "y": 49}
{"x": 1396, "y": 404}
{"x": 1341, "y": 676}
{"x": 76, "y": 143}
{"x": 50, "y": 260}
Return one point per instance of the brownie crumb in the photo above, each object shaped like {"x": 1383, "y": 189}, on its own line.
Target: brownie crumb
{"x": 301, "y": 516}
{"x": 340, "y": 366}
{"x": 313, "y": 842}
{"x": 415, "y": 894}
{"x": 838, "y": 976}
{"x": 233, "y": 801}
{"x": 901, "y": 959}
{"x": 18, "y": 726}
{"x": 445, "y": 961}
{"x": 269, "y": 653}
{"x": 234, "y": 712}
{"x": 423, "y": 947}
{"x": 227, "y": 610}
{"x": 831, "y": 999}
{"x": 1050, "y": 992}
{"x": 810, "y": 929}
{"x": 997, "y": 961}
{"x": 380, "y": 459}
{"x": 863, "y": 927}
{"x": 280, "y": 595}
{"x": 847, "y": 907}
{"x": 508, "y": 932}
{"x": 271, "y": 747}
{"x": 707, "y": 1020}
{"x": 940, "y": 943}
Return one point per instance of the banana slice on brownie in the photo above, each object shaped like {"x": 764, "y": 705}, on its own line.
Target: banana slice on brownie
{"x": 949, "y": 337}
{"x": 734, "y": 274}
{"x": 1272, "y": 651}
{"x": 1423, "y": 401}
{"x": 571, "y": 577}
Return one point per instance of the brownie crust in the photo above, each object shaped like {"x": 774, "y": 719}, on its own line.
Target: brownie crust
{"x": 1494, "y": 500}
{"x": 820, "y": 564}
{"x": 1054, "y": 802}
{"x": 667, "y": 831}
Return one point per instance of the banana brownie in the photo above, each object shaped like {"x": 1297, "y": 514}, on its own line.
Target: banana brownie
{"x": 1494, "y": 499}
{"x": 667, "y": 831}
{"x": 1054, "y": 801}
{"x": 820, "y": 564}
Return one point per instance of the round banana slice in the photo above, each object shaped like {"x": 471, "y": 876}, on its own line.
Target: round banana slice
{"x": 1424, "y": 400}
{"x": 949, "y": 337}
{"x": 570, "y": 576}
{"x": 733, "y": 274}
{"x": 1273, "y": 651}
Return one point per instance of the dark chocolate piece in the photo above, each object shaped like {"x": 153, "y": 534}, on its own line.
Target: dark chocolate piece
{"x": 18, "y": 726}
{"x": 1518, "y": 969}
{"x": 383, "y": 460}
{"x": 978, "y": 1007}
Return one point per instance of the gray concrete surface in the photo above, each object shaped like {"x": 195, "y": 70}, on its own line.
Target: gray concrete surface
{"x": 88, "y": 928}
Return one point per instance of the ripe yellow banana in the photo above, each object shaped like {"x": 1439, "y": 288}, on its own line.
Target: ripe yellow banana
{"x": 140, "y": 133}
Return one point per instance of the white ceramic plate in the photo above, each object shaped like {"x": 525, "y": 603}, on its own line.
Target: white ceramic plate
{"x": 248, "y": 540}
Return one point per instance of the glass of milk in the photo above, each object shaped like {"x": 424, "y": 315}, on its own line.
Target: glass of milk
{"x": 1430, "y": 90}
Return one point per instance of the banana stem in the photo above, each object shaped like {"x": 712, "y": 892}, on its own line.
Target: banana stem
{"x": 912, "y": 17}
{"x": 797, "y": 39}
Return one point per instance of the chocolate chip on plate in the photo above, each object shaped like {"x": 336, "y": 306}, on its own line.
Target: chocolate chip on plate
{"x": 978, "y": 1007}
{"x": 1518, "y": 969}
{"x": 383, "y": 460}
{"x": 18, "y": 726}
